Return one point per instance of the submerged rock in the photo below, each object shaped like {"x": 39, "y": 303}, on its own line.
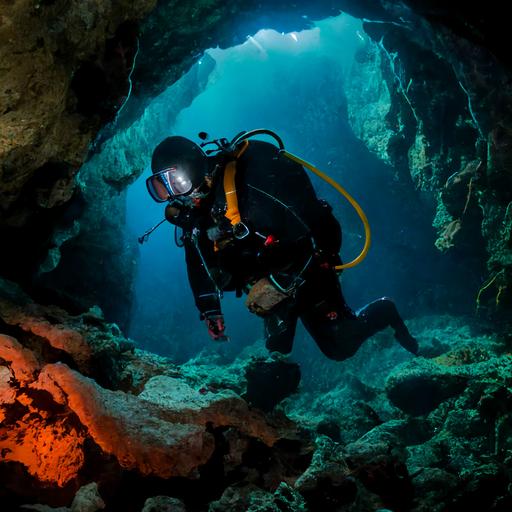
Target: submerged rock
{"x": 270, "y": 381}
{"x": 136, "y": 432}
{"x": 328, "y": 483}
{"x": 163, "y": 504}
{"x": 250, "y": 498}
{"x": 223, "y": 408}
{"x": 87, "y": 499}
{"x": 187, "y": 429}
{"x": 422, "y": 386}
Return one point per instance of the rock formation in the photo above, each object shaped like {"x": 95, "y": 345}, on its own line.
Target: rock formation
{"x": 88, "y": 421}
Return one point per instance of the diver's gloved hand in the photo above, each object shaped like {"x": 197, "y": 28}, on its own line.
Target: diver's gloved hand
{"x": 216, "y": 327}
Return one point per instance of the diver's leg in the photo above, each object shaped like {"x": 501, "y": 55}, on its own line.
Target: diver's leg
{"x": 326, "y": 315}
{"x": 383, "y": 313}
{"x": 280, "y": 328}
{"x": 339, "y": 332}
{"x": 338, "y": 338}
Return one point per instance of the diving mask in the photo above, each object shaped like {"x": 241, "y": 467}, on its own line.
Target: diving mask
{"x": 168, "y": 183}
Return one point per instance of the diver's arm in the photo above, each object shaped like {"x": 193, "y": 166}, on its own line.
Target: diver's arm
{"x": 205, "y": 292}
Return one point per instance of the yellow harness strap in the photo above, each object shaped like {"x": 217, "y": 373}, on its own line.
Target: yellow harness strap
{"x": 232, "y": 212}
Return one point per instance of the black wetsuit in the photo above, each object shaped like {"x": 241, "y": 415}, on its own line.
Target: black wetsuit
{"x": 295, "y": 238}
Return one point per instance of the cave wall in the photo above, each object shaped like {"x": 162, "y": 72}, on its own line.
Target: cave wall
{"x": 64, "y": 67}
{"x": 67, "y": 70}
{"x": 440, "y": 116}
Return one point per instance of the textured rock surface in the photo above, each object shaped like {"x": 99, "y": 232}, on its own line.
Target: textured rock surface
{"x": 223, "y": 408}
{"x": 250, "y": 498}
{"x": 163, "y": 504}
{"x": 431, "y": 111}
{"x": 58, "y": 85}
{"x": 87, "y": 499}
{"x": 58, "y": 426}
{"x": 137, "y": 434}
{"x": 184, "y": 430}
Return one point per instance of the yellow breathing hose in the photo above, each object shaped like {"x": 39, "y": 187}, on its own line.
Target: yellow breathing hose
{"x": 349, "y": 198}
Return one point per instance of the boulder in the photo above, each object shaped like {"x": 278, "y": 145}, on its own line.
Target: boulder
{"x": 421, "y": 385}
{"x": 139, "y": 434}
{"x": 327, "y": 484}
{"x": 433, "y": 486}
{"x": 250, "y": 498}
{"x": 221, "y": 408}
{"x": 377, "y": 460}
{"x": 269, "y": 381}
{"x": 163, "y": 504}
{"x": 88, "y": 499}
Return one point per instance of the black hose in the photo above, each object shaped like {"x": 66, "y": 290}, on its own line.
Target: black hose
{"x": 259, "y": 131}
{"x": 178, "y": 240}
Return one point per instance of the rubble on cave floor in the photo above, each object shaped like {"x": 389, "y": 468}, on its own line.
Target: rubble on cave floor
{"x": 113, "y": 426}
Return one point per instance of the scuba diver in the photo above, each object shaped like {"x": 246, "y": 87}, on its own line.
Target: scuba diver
{"x": 251, "y": 223}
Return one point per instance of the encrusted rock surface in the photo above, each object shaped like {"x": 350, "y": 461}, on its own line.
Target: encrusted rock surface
{"x": 434, "y": 105}
{"x": 137, "y": 434}
{"x": 186, "y": 433}
{"x": 59, "y": 425}
{"x": 222, "y": 408}
{"x": 63, "y": 71}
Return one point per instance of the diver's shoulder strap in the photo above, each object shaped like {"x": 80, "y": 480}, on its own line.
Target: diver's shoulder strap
{"x": 240, "y": 230}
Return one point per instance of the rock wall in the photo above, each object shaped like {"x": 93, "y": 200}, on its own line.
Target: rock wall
{"x": 436, "y": 107}
{"x": 64, "y": 70}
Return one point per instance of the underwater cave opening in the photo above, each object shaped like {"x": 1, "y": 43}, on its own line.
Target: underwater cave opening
{"x": 298, "y": 84}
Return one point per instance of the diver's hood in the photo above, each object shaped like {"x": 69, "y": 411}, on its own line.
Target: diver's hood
{"x": 179, "y": 166}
